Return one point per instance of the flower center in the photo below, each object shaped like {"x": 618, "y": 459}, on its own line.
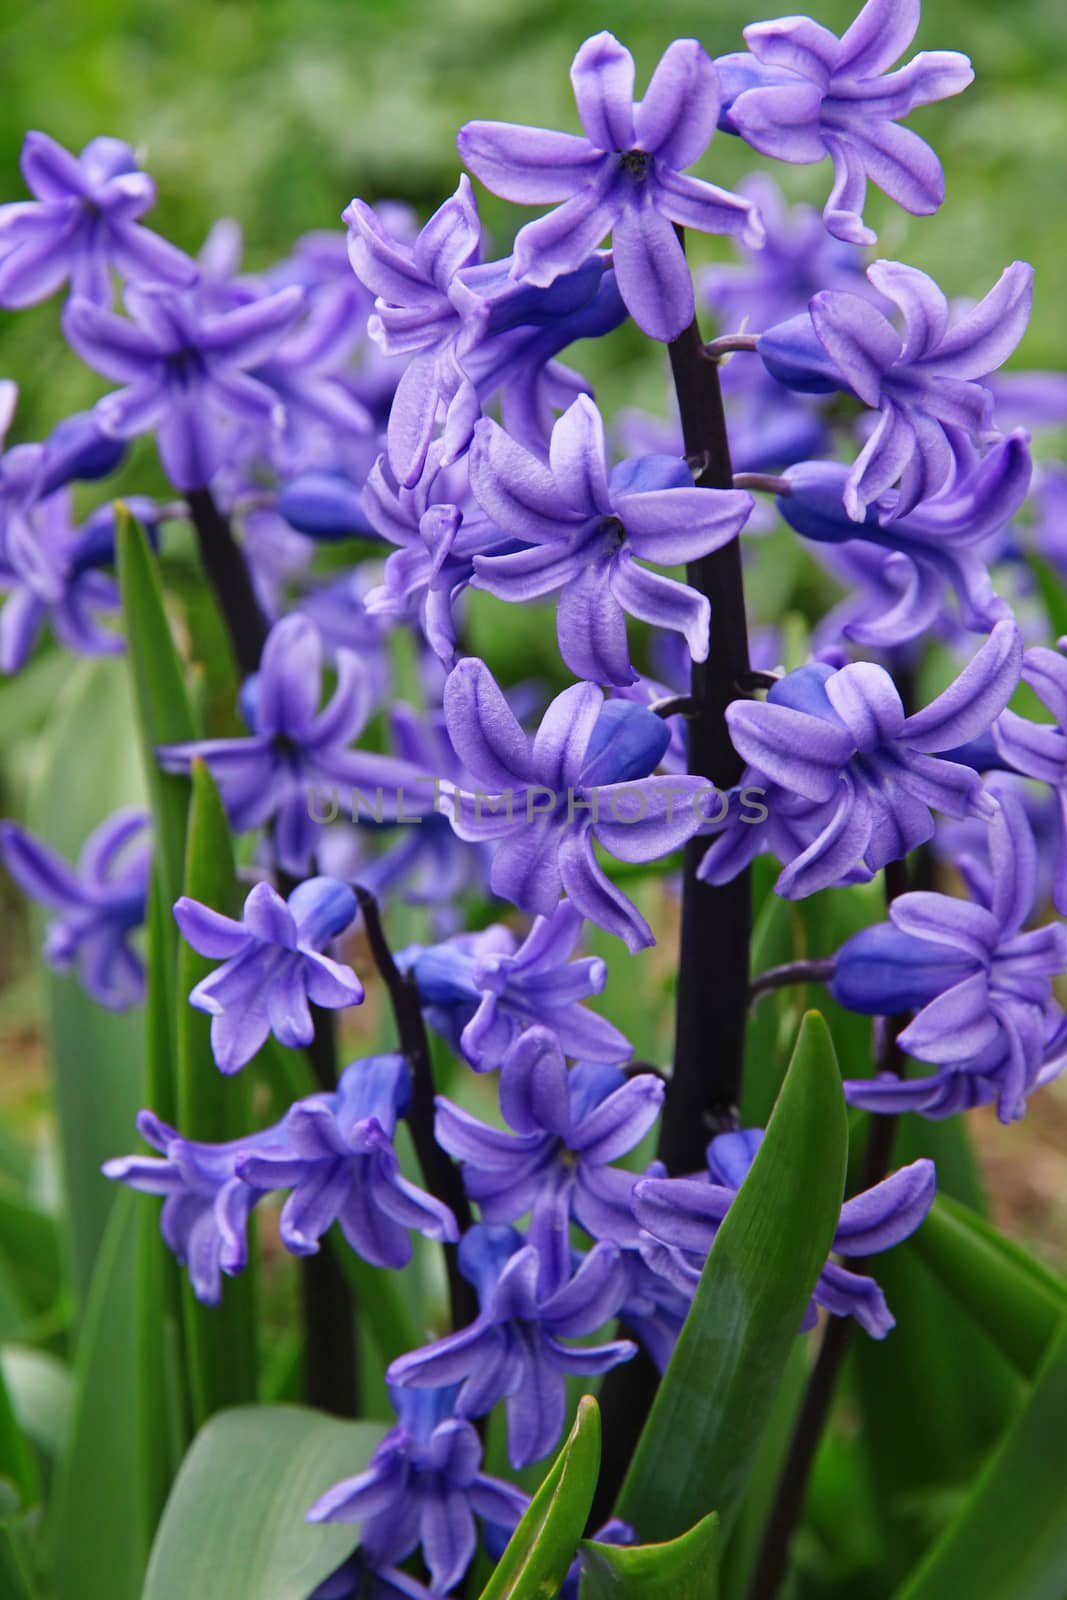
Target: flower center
{"x": 636, "y": 162}
{"x": 614, "y": 533}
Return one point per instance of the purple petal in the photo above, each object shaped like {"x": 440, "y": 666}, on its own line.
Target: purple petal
{"x": 250, "y": 334}
{"x": 968, "y": 706}
{"x": 602, "y": 76}
{"x": 561, "y": 740}
{"x": 883, "y": 1216}
{"x": 955, "y": 1026}
{"x": 651, "y": 272}
{"x": 877, "y": 37}
{"x": 620, "y": 1121}
{"x": 561, "y": 241}
{"x": 676, "y": 119}
{"x": 675, "y": 525}
{"x": 577, "y": 457}
{"x": 530, "y": 166}
{"x": 591, "y": 627}
{"x": 596, "y": 897}
{"x": 515, "y": 490}
{"x": 482, "y": 727}
{"x": 983, "y": 339}
{"x": 705, "y": 207}
{"x": 862, "y": 343}
{"x": 209, "y": 932}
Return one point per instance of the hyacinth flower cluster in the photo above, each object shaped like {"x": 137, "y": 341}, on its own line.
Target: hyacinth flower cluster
{"x": 395, "y": 392}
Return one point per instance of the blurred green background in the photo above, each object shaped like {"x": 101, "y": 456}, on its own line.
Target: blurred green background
{"x": 277, "y": 112}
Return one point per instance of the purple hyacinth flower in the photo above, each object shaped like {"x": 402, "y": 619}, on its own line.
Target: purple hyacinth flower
{"x": 295, "y": 749}
{"x": 584, "y": 777}
{"x": 97, "y": 906}
{"x": 206, "y": 1205}
{"x": 82, "y": 225}
{"x": 1039, "y": 750}
{"x": 583, "y": 531}
{"x": 423, "y": 1487}
{"x": 803, "y": 94}
{"x": 514, "y": 1350}
{"x": 339, "y": 1162}
{"x": 623, "y": 177}
{"x": 923, "y": 383}
{"x": 898, "y": 589}
{"x": 982, "y": 987}
{"x": 459, "y": 320}
{"x": 78, "y": 449}
{"x": 682, "y": 1215}
{"x": 272, "y": 966}
{"x": 569, "y": 1126}
{"x": 798, "y": 258}
{"x": 439, "y": 529}
{"x": 484, "y": 990}
{"x": 835, "y": 756}
{"x": 186, "y": 374}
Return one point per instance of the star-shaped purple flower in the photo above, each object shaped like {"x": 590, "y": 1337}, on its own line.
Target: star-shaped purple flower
{"x": 339, "y": 1162}
{"x": 923, "y": 382}
{"x": 897, "y": 591}
{"x": 483, "y": 990}
{"x": 623, "y": 177}
{"x": 803, "y": 94}
{"x": 82, "y": 225}
{"x": 185, "y": 373}
{"x": 1039, "y": 749}
{"x": 569, "y": 1125}
{"x": 206, "y": 1206}
{"x": 423, "y": 1487}
{"x": 272, "y": 966}
{"x": 980, "y": 984}
{"x": 295, "y": 749}
{"x": 585, "y": 776}
{"x": 583, "y": 530}
{"x": 682, "y": 1215}
{"x": 514, "y": 1350}
{"x": 847, "y": 780}
{"x": 97, "y": 906}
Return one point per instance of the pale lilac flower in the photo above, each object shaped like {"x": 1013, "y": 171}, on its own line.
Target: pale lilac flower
{"x": 339, "y": 1162}
{"x": 682, "y": 1216}
{"x": 568, "y": 1128}
{"x": 423, "y": 1488}
{"x": 272, "y": 966}
{"x": 483, "y": 990}
{"x": 586, "y": 532}
{"x": 803, "y": 94}
{"x": 583, "y": 777}
{"x": 206, "y": 1206}
{"x": 514, "y": 1350}
{"x": 981, "y": 986}
{"x": 623, "y": 177}
{"x": 97, "y": 906}
{"x": 924, "y": 383}
{"x": 1039, "y": 749}
{"x": 82, "y": 225}
{"x": 185, "y": 373}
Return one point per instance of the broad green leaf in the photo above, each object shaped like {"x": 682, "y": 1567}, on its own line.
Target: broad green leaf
{"x": 937, "y": 1393}
{"x": 90, "y": 770}
{"x": 772, "y": 1019}
{"x": 701, "y": 1438}
{"x": 31, "y": 1246}
{"x": 1012, "y": 1297}
{"x": 16, "y": 1580}
{"x": 42, "y": 1393}
{"x": 234, "y": 1527}
{"x": 17, "y": 1464}
{"x": 1010, "y": 1540}
{"x": 98, "y": 1536}
{"x": 1053, "y": 594}
{"x": 542, "y": 1547}
{"x": 220, "y": 1341}
{"x": 682, "y": 1569}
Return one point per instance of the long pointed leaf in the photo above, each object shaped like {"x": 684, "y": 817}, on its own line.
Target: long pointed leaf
{"x": 683, "y": 1569}
{"x": 702, "y": 1435}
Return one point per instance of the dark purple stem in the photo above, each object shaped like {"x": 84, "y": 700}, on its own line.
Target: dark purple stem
{"x": 791, "y": 972}
{"x": 712, "y": 999}
{"x": 439, "y": 1172}
{"x": 227, "y": 573}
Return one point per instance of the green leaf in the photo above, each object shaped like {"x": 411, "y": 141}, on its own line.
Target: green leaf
{"x": 1010, "y": 1540}
{"x": 95, "y": 1054}
{"x": 234, "y": 1527}
{"x": 161, "y": 705}
{"x": 543, "y": 1545}
{"x": 1012, "y": 1297}
{"x": 703, "y": 1433}
{"x": 17, "y": 1464}
{"x": 42, "y": 1393}
{"x": 220, "y": 1341}
{"x": 682, "y": 1569}
{"x": 1050, "y": 587}
{"x": 31, "y": 1246}
{"x": 99, "y": 1543}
